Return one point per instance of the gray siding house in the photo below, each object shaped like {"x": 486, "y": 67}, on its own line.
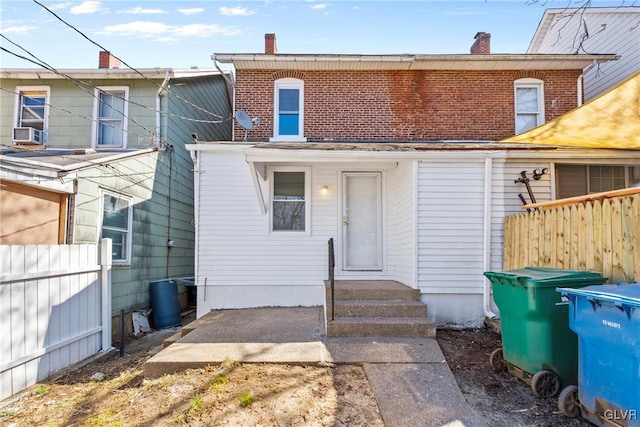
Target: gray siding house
{"x": 100, "y": 153}
{"x": 593, "y": 30}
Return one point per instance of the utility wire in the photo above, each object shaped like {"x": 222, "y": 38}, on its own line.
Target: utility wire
{"x": 125, "y": 63}
{"x": 81, "y": 83}
{"x": 91, "y": 119}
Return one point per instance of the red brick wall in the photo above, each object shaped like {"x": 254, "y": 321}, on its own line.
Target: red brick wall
{"x": 402, "y": 105}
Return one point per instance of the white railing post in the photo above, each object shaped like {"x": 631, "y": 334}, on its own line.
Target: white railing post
{"x": 105, "y": 279}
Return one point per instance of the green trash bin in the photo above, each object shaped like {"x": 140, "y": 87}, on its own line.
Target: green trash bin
{"x": 537, "y": 344}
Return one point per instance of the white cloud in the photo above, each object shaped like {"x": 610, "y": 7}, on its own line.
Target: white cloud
{"x": 87, "y": 7}
{"x": 58, "y": 6}
{"x": 18, "y": 29}
{"x": 235, "y": 11}
{"x": 142, "y": 11}
{"x": 191, "y": 11}
{"x": 320, "y": 6}
{"x": 163, "y": 32}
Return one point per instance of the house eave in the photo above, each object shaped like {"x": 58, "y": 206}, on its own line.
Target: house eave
{"x": 367, "y": 152}
{"x": 492, "y": 62}
{"x": 102, "y": 73}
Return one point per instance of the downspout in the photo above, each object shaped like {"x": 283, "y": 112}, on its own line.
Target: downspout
{"x": 581, "y": 80}
{"x": 161, "y": 90}
{"x": 196, "y": 212}
{"x": 231, "y": 90}
{"x": 486, "y": 244}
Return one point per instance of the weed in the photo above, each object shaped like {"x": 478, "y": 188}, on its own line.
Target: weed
{"x": 43, "y": 389}
{"x": 218, "y": 383}
{"x": 7, "y": 414}
{"x": 246, "y": 399}
{"x": 228, "y": 363}
{"x": 103, "y": 420}
{"x": 195, "y": 404}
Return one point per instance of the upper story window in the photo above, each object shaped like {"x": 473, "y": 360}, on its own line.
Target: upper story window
{"x": 290, "y": 191}
{"x": 110, "y": 112}
{"x": 288, "y": 106}
{"x": 32, "y": 107}
{"x": 116, "y": 225}
{"x": 529, "y": 103}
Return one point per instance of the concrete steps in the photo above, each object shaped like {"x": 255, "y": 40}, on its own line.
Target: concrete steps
{"x": 377, "y": 308}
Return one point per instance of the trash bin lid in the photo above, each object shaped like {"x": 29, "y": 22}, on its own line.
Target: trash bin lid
{"x": 545, "y": 277}
{"x": 628, "y": 295}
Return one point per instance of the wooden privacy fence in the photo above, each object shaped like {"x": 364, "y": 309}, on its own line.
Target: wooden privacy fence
{"x": 55, "y": 310}
{"x": 599, "y": 232}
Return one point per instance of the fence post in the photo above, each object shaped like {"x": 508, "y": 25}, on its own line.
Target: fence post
{"x": 105, "y": 280}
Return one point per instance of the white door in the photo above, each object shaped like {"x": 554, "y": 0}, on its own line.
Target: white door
{"x": 362, "y": 221}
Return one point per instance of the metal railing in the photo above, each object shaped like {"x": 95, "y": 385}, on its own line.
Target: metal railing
{"x": 332, "y": 267}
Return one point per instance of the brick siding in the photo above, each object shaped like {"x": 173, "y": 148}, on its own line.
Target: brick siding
{"x": 402, "y": 105}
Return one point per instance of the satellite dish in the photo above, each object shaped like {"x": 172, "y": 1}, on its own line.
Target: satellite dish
{"x": 244, "y": 120}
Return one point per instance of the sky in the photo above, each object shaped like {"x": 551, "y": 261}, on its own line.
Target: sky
{"x": 184, "y": 34}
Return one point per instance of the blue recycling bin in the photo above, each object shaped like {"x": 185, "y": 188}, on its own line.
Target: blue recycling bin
{"x": 606, "y": 319}
{"x": 165, "y": 304}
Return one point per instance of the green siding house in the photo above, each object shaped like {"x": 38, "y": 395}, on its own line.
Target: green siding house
{"x": 100, "y": 153}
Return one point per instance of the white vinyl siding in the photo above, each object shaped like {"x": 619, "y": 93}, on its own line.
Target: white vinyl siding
{"x": 401, "y": 234}
{"x": 505, "y": 200}
{"x": 243, "y": 264}
{"x": 450, "y": 226}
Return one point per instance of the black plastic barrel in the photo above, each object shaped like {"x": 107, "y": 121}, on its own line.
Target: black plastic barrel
{"x": 165, "y": 305}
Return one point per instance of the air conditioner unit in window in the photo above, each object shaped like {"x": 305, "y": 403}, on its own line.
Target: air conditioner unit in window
{"x": 27, "y": 135}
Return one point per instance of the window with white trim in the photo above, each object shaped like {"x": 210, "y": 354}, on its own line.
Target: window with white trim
{"x": 33, "y": 107}
{"x": 117, "y": 217}
{"x": 110, "y": 112}
{"x": 529, "y": 104}
{"x": 288, "y": 107}
{"x": 577, "y": 180}
{"x": 290, "y": 195}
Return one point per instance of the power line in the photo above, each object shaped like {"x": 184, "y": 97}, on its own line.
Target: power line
{"x": 91, "y": 119}
{"x": 81, "y": 83}
{"x": 124, "y": 62}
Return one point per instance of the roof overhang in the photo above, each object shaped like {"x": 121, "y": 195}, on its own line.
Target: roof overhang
{"x": 102, "y": 73}
{"x": 391, "y": 152}
{"x": 492, "y": 62}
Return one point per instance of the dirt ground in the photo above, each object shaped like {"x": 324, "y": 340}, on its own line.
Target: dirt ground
{"x": 111, "y": 391}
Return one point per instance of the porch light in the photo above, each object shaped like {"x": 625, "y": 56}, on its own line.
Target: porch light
{"x": 324, "y": 189}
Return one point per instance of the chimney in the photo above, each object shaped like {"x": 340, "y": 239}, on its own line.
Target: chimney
{"x": 482, "y": 45}
{"x": 270, "y": 47}
{"x": 106, "y": 60}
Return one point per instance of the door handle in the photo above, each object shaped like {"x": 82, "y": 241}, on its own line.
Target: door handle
{"x": 344, "y": 220}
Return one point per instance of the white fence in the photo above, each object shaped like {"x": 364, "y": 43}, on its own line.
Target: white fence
{"x": 55, "y": 310}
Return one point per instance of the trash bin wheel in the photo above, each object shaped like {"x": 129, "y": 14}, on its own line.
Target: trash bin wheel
{"x": 496, "y": 360}
{"x": 568, "y": 403}
{"x": 545, "y": 384}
